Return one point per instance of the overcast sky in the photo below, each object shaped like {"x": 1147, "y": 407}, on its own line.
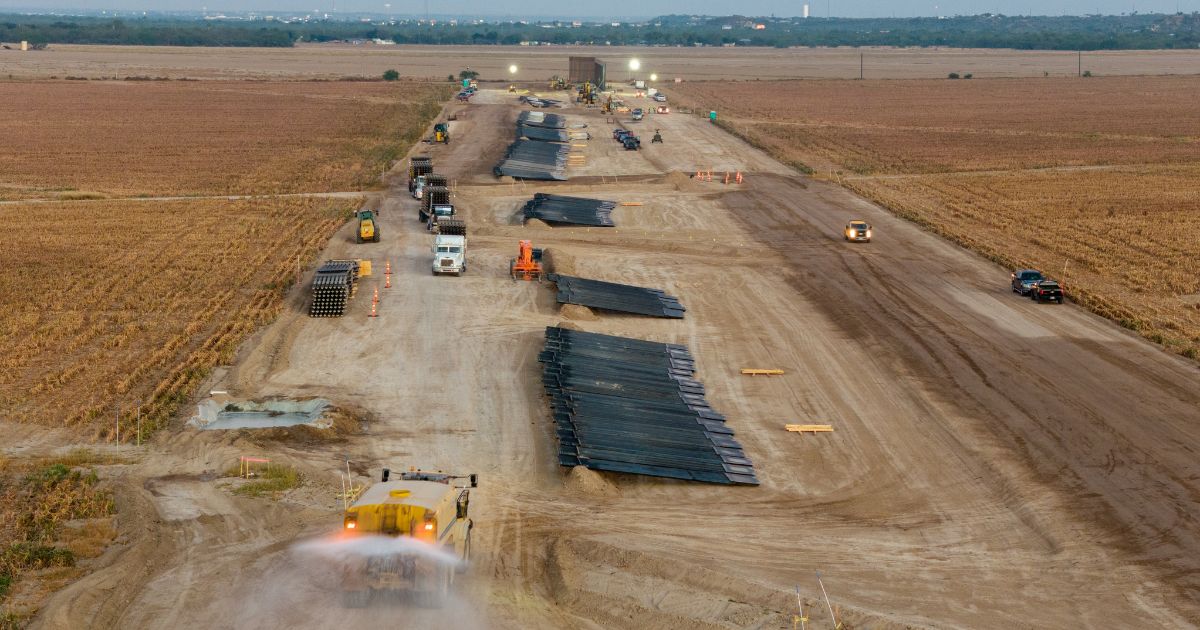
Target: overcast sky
{"x": 637, "y": 8}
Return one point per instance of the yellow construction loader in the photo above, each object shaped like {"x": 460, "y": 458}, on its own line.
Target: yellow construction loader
{"x": 368, "y": 227}
{"x": 426, "y": 516}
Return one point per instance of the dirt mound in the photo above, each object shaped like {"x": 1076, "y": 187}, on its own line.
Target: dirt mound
{"x": 558, "y": 261}
{"x": 578, "y": 312}
{"x": 682, "y": 181}
{"x": 586, "y": 481}
{"x": 536, "y": 224}
{"x": 569, "y": 325}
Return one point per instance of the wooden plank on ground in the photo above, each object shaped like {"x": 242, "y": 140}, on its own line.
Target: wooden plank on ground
{"x": 809, "y": 428}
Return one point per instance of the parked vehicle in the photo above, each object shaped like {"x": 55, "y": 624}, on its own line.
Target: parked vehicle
{"x": 1024, "y": 279}
{"x": 638, "y": 113}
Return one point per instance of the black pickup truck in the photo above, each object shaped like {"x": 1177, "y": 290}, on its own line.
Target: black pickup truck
{"x": 1046, "y": 291}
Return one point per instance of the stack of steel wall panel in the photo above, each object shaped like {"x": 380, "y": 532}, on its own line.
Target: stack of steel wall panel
{"x": 616, "y": 297}
{"x": 332, "y": 286}
{"x": 627, "y": 405}
{"x": 577, "y": 210}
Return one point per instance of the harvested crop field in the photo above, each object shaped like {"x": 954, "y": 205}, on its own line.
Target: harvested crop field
{"x": 1091, "y": 180}
{"x": 116, "y": 286}
{"x": 127, "y": 138}
{"x": 111, "y": 302}
{"x": 333, "y": 61}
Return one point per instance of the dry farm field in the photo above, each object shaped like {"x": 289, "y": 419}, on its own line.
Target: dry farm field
{"x": 111, "y": 296}
{"x": 128, "y": 138}
{"x": 110, "y": 302}
{"x": 1091, "y": 180}
{"x": 539, "y": 63}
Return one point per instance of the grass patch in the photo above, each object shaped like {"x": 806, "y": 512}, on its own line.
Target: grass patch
{"x": 52, "y": 514}
{"x": 13, "y": 620}
{"x": 272, "y": 481}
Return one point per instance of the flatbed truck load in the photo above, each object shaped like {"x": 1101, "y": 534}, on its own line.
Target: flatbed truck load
{"x": 447, "y": 225}
{"x": 434, "y": 196}
{"x": 427, "y": 514}
{"x": 427, "y": 180}
{"x": 417, "y": 166}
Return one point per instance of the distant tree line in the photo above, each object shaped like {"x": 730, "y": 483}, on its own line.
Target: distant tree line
{"x": 1149, "y": 31}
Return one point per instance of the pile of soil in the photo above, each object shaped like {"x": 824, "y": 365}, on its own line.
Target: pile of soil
{"x": 558, "y": 261}
{"x": 578, "y": 313}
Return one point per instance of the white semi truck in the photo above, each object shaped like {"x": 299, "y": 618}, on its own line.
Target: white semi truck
{"x": 449, "y": 254}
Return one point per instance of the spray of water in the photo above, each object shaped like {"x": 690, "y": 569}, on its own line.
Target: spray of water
{"x": 340, "y": 547}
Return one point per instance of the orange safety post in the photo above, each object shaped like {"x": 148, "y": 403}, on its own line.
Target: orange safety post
{"x": 375, "y": 300}
{"x": 738, "y": 177}
{"x": 387, "y": 271}
{"x": 388, "y": 281}
{"x": 373, "y": 312}
{"x": 726, "y": 178}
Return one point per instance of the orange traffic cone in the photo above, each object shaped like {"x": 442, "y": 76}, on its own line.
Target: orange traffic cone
{"x": 373, "y": 313}
{"x": 375, "y": 300}
{"x": 388, "y": 282}
{"x": 738, "y": 179}
{"x": 726, "y": 178}
{"x": 388, "y": 270}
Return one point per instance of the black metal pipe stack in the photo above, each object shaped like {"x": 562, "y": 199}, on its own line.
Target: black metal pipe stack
{"x": 542, "y": 119}
{"x": 627, "y": 405}
{"x": 616, "y": 297}
{"x": 332, "y": 286}
{"x": 575, "y": 210}
{"x": 536, "y": 153}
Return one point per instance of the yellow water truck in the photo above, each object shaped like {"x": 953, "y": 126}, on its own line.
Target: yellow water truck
{"x": 431, "y": 509}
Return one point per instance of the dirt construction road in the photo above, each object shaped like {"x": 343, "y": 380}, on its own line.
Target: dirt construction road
{"x": 995, "y": 463}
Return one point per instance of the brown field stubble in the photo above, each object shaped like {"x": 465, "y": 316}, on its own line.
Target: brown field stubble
{"x": 1095, "y": 181}
{"x": 111, "y": 302}
{"x": 127, "y": 138}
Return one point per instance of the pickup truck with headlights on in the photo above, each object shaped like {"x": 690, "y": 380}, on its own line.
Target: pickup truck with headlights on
{"x": 857, "y": 232}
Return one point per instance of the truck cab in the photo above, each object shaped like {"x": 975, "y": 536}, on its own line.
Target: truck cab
{"x": 449, "y": 254}
{"x": 418, "y": 187}
{"x": 437, "y": 213}
{"x": 430, "y": 509}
